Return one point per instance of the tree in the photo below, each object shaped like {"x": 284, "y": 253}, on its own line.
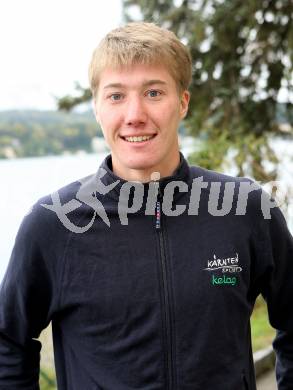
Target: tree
{"x": 242, "y": 55}
{"x": 66, "y": 103}
{"x": 241, "y": 59}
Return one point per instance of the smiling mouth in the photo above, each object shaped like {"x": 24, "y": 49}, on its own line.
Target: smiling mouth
{"x": 140, "y": 138}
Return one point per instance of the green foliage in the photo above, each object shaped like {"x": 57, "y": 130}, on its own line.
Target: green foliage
{"x": 261, "y": 332}
{"x": 47, "y": 380}
{"x": 67, "y": 102}
{"x": 37, "y": 133}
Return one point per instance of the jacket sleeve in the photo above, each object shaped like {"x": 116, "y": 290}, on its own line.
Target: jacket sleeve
{"x": 278, "y": 292}
{"x": 26, "y": 303}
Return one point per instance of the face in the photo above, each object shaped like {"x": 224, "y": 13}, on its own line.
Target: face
{"x": 139, "y": 110}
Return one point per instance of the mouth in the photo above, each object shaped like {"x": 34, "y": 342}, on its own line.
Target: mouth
{"x": 138, "y": 138}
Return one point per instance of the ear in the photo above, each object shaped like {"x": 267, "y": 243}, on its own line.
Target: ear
{"x": 184, "y": 103}
{"x": 94, "y": 106}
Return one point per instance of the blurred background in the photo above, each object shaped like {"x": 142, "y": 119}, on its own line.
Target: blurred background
{"x": 240, "y": 118}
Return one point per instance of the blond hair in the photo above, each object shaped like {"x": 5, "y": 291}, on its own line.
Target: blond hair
{"x": 141, "y": 43}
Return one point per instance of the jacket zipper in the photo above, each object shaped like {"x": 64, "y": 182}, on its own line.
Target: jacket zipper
{"x": 166, "y": 295}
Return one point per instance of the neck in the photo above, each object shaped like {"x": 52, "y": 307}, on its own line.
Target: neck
{"x": 146, "y": 175}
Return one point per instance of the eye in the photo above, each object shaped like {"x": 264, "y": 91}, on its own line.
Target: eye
{"x": 153, "y": 93}
{"x": 115, "y": 96}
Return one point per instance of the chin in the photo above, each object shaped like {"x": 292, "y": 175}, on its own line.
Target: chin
{"x": 142, "y": 165}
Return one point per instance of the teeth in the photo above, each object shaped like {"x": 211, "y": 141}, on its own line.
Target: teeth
{"x": 138, "y": 139}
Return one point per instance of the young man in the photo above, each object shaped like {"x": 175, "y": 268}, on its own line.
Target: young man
{"x": 149, "y": 284}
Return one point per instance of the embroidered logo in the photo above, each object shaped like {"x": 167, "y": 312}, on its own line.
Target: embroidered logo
{"x": 226, "y": 265}
{"x": 229, "y": 264}
{"x": 224, "y": 280}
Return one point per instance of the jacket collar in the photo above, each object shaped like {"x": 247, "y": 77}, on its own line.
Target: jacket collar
{"x": 182, "y": 173}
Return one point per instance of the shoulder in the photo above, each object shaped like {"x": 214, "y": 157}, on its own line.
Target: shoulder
{"x": 213, "y": 176}
{"x": 67, "y": 192}
{"x": 247, "y": 196}
{"x": 46, "y": 216}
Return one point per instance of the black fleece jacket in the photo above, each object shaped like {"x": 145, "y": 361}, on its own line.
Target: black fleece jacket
{"x": 153, "y": 301}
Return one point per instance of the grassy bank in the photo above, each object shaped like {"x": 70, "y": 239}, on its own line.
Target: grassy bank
{"x": 261, "y": 332}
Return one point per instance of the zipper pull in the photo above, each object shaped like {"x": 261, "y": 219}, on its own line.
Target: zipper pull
{"x": 159, "y": 210}
{"x": 158, "y": 215}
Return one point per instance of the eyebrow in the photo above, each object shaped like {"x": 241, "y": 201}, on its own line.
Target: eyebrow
{"x": 145, "y": 84}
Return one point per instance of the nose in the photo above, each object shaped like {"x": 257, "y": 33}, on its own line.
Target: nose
{"x": 135, "y": 112}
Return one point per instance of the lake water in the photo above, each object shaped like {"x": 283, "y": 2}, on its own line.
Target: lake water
{"x": 24, "y": 181}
